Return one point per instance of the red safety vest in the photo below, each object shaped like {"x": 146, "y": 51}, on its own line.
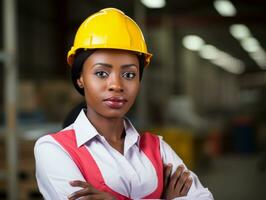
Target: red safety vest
{"x": 149, "y": 144}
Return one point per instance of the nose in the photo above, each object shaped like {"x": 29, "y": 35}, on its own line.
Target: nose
{"x": 116, "y": 84}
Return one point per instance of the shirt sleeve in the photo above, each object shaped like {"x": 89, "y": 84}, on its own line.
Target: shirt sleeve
{"x": 196, "y": 191}
{"x": 54, "y": 169}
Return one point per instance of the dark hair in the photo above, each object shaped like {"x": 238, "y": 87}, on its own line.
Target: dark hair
{"x": 73, "y": 114}
{"x": 82, "y": 55}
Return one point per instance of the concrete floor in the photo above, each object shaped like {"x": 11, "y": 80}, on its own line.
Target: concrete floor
{"x": 235, "y": 178}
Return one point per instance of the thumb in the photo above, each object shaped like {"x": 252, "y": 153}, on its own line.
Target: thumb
{"x": 167, "y": 173}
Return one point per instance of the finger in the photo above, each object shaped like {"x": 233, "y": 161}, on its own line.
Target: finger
{"x": 93, "y": 196}
{"x": 78, "y": 183}
{"x": 175, "y": 176}
{"x": 180, "y": 183}
{"x": 186, "y": 186}
{"x": 167, "y": 174}
{"x": 82, "y": 193}
{"x": 99, "y": 196}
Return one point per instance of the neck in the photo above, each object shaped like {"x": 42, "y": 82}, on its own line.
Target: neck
{"x": 110, "y": 128}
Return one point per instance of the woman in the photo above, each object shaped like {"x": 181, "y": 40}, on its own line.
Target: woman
{"x": 101, "y": 155}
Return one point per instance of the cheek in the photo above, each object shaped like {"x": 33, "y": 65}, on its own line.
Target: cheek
{"x": 92, "y": 88}
{"x": 134, "y": 89}
{"x": 90, "y": 82}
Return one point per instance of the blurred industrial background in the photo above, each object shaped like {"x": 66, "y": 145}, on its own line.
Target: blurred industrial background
{"x": 205, "y": 91}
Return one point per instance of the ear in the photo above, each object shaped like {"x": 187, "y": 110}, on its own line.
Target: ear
{"x": 80, "y": 82}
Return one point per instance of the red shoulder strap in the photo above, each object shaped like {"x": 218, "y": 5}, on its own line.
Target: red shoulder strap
{"x": 85, "y": 162}
{"x": 150, "y": 145}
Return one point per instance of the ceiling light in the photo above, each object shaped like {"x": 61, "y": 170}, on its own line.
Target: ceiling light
{"x": 239, "y": 31}
{"x": 225, "y": 8}
{"x": 154, "y": 3}
{"x": 250, "y": 44}
{"x": 209, "y": 52}
{"x": 235, "y": 68}
{"x": 258, "y": 54}
{"x": 229, "y": 63}
{"x": 214, "y": 55}
{"x": 259, "y": 57}
{"x": 193, "y": 42}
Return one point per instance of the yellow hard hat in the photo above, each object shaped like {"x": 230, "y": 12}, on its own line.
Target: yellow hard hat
{"x": 109, "y": 28}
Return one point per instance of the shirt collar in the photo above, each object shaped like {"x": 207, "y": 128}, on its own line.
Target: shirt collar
{"x": 85, "y": 131}
{"x": 132, "y": 135}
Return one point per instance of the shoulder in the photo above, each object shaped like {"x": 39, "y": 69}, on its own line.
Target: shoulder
{"x": 154, "y": 136}
{"x": 48, "y": 138}
{"x": 44, "y": 140}
{"x": 47, "y": 144}
{"x": 147, "y": 135}
{"x": 168, "y": 155}
{"x": 150, "y": 138}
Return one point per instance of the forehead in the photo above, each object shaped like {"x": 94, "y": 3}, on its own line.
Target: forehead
{"x": 113, "y": 56}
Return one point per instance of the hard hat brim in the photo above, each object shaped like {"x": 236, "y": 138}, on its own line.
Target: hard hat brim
{"x": 72, "y": 52}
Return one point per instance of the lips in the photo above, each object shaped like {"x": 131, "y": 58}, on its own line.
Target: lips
{"x": 115, "y": 102}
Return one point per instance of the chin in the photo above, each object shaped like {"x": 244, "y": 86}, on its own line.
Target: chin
{"x": 115, "y": 114}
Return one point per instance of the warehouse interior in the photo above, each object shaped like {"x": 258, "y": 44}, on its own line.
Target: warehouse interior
{"x": 204, "y": 92}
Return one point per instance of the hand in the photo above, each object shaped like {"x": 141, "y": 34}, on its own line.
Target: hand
{"x": 88, "y": 192}
{"x": 178, "y": 184}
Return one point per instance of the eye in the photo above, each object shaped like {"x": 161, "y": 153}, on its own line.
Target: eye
{"x": 102, "y": 74}
{"x": 129, "y": 75}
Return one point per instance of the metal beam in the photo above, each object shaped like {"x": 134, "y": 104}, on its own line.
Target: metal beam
{"x": 10, "y": 91}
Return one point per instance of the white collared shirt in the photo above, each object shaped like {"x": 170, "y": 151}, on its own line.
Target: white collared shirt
{"x": 131, "y": 174}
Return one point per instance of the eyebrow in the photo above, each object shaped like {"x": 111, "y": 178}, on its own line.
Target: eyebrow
{"x": 110, "y": 66}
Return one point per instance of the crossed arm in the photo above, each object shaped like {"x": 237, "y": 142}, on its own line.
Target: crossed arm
{"x": 176, "y": 185}
{"x": 53, "y": 176}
